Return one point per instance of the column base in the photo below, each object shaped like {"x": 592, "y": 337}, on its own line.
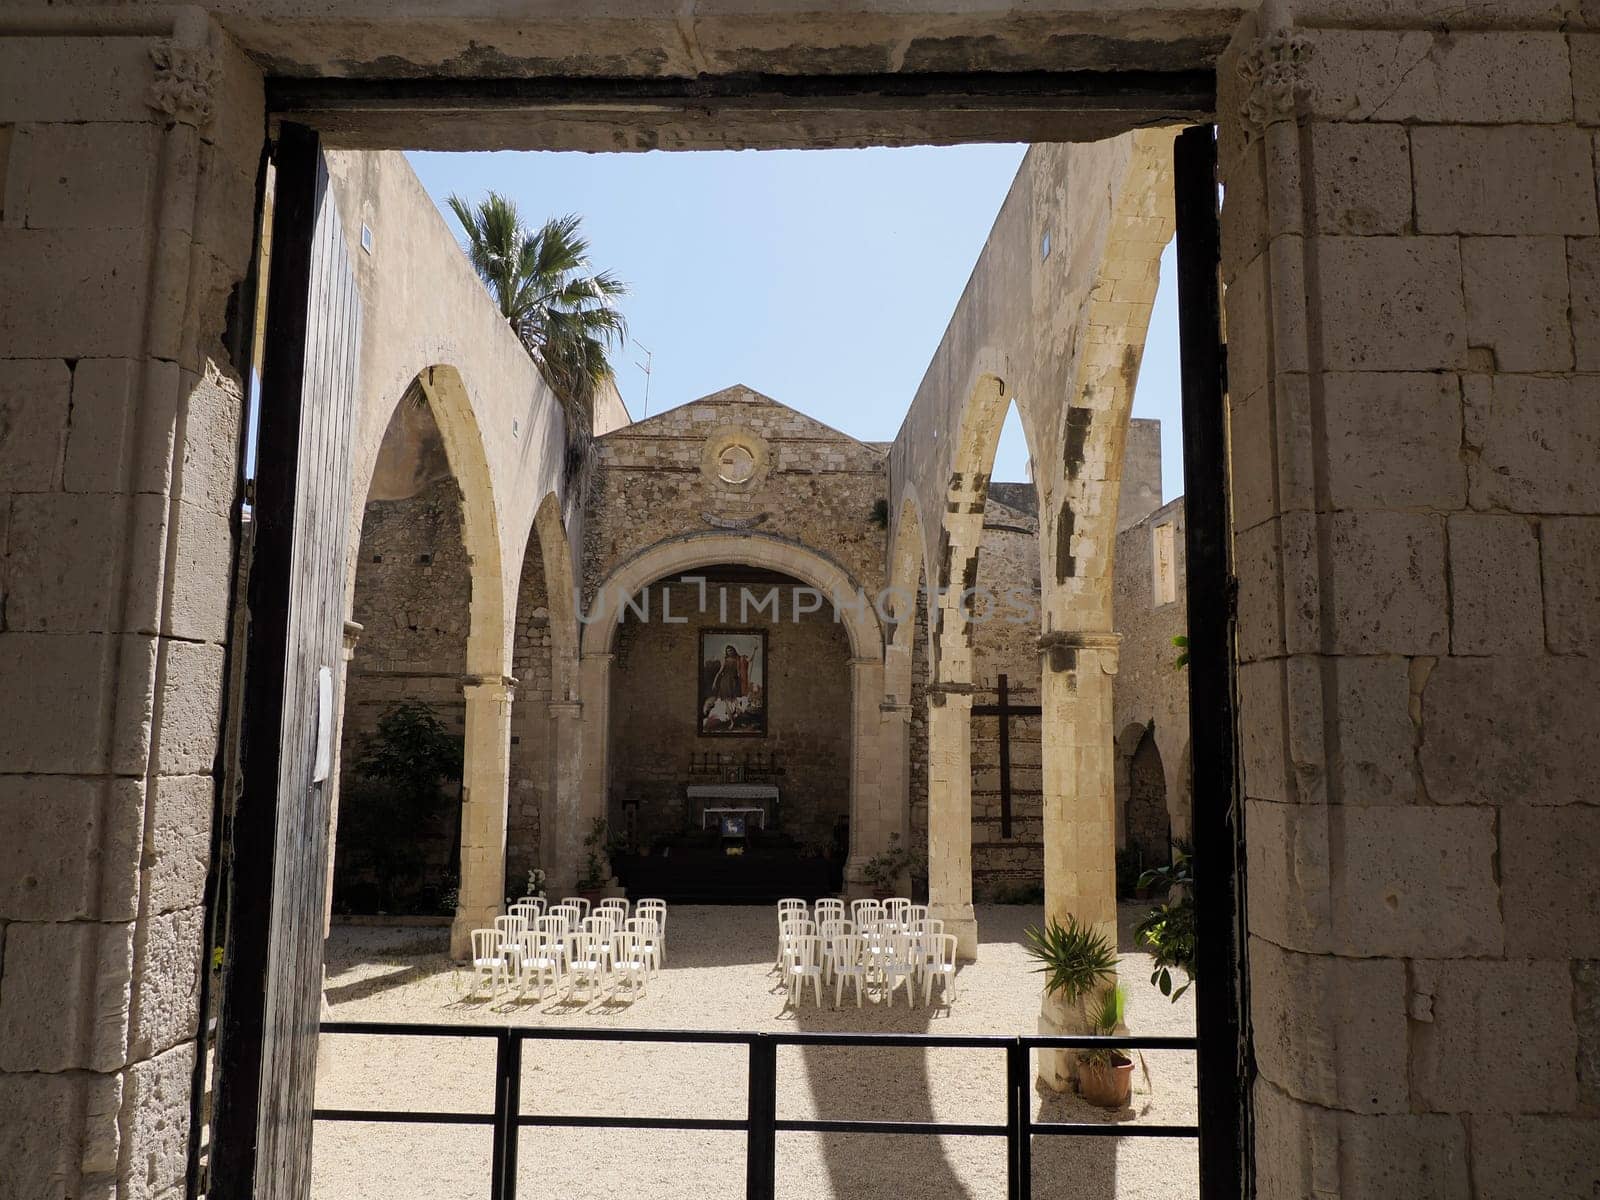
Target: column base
{"x": 1058, "y": 1069}
{"x": 466, "y": 920}
{"x": 960, "y": 920}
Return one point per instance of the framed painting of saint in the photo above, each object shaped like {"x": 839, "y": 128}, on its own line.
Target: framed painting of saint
{"x": 733, "y": 683}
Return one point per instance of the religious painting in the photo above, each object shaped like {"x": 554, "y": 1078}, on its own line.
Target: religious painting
{"x": 733, "y": 683}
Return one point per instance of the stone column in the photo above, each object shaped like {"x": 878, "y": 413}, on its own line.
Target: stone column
{"x": 485, "y": 780}
{"x": 1079, "y": 807}
{"x": 562, "y": 796}
{"x": 894, "y": 798}
{"x": 577, "y": 809}
{"x": 871, "y": 815}
{"x": 950, "y": 815}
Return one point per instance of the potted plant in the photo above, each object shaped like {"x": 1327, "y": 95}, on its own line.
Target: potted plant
{"x": 1074, "y": 958}
{"x": 592, "y": 885}
{"x": 1105, "y": 1077}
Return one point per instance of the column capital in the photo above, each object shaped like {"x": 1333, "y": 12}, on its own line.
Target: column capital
{"x": 1060, "y": 647}
{"x": 895, "y": 708}
{"x": 954, "y": 695}
{"x": 565, "y": 708}
{"x": 865, "y": 661}
{"x": 495, "y": 686}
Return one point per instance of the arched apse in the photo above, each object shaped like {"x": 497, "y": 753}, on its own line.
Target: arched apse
{"x": 675, "y": 557}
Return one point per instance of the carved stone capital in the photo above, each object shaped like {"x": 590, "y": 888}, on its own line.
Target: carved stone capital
{"x": 1060, "y": 648}
{"x": 1275, "y": 79}
{"x": 186, "y": 78}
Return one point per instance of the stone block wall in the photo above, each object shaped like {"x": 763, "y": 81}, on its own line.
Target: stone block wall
{"x": 412, "y": 597}
{"x": 1005, "y": 636}
{"x": 813, "y": 485}
{"x": 1410, "y": 233}
{"x": 531, "y": 765}
{"x": 126, "y": 197}
{"x": 1149, "y": 689}
{"x": 654, "y": 733}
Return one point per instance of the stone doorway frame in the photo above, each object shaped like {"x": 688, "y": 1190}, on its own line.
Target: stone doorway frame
{"x": 1038, "y": 107}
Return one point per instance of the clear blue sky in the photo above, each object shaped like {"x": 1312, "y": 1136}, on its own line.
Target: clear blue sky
{"x": 822, "y": 278}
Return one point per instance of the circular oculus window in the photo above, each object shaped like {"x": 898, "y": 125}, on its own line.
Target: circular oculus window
{"x": 735, "y": 463}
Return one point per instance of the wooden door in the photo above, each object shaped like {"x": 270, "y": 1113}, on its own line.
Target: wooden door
{"x": 277, "y": 841}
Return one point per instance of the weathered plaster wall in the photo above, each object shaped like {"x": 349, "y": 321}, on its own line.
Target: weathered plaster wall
{"x": 1149, "y": 688}
{"x": 425, "y": 314}
{"x": 1410, "y": 241}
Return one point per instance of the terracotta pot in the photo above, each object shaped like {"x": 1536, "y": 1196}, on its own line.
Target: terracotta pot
{"x": 1106, "y": 1085}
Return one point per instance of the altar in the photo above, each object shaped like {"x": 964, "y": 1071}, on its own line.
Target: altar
{"x": 758, "y": 800}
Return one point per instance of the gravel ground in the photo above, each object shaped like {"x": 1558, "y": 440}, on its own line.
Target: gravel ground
{"x": 718, "y": 976}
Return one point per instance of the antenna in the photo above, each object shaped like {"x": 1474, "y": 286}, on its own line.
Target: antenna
{"x": 645, "y": 366}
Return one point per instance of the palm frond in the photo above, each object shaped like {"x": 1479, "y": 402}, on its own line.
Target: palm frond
{"x": 564, "y": 313}
{"x": 1075, "y": 958}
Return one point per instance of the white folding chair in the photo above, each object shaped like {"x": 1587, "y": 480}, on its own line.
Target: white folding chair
{"x": 897, "y": 965}
{"x": 487, "y": 959}
{"x": 656, "y": 910}
{"x": 803, "y": 963}
{"x": 571, "y": 916}
{"x": 864, "y": 911}
{"x": 797, "y": 926}
{"x": 941, "y": 966}
{"x": 649, "y": 933}
{"x": 531, "y": 907}
{"x": 602, "y": 926}
{"x": 788, "y": 919}
{"x": 915, "y": 913}
{"x": 849, "y": 962}
{"x": 586, "y": 965}
{"x": 630, "y": 961}
{"x": 540, "y": 960}
{"x": 579, "y": 903}
{"x": 829, "y": 908}
{"x": 895, "y": 909}
{"x": 926, "y": 934}
{"x": 510, "y": 930}
{"x": 829, "y": 931}
{"x": 616, "y": 904}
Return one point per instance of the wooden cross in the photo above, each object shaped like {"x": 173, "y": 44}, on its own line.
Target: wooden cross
{"x": 1005, "y": 710}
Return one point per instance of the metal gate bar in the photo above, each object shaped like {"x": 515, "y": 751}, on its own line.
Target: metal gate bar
{"x": 761, "y": 1124}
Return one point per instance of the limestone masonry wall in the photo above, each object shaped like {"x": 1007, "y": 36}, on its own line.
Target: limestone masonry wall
{"x": 1410, "y": 246}
{"x": 1149, "y": 688}
{"x": 412, "y": 598}
{"x": 812, "y": 485}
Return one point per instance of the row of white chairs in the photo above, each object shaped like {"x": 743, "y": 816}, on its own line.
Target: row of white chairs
{"x": 560, "y": 945}
{"x": 891, "y": 944}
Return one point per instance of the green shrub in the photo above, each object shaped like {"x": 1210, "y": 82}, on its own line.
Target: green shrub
{"x": 1169, "y": 928}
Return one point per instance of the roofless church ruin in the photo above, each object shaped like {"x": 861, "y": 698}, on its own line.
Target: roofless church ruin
{"x": 730, "y": 623}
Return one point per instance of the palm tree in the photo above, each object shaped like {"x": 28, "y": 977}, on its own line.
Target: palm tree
{"x": 565, "y": 314}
